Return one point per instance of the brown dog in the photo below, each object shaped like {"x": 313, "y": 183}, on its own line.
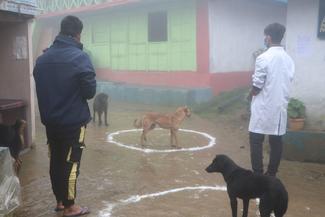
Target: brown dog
{"x": 170, "y": 121}
{"x": 12, "y": 136}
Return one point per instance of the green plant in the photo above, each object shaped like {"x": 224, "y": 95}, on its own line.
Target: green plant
{"x": 296, "y": 109}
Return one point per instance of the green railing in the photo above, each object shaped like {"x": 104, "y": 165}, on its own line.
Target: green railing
{"x": 47, "y": 6}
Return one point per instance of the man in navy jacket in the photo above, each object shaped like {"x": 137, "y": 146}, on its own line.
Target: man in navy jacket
{"x": 65, "y": 80}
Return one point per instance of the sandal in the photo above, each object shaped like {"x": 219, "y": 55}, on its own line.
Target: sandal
{"x": 83, "y": 211}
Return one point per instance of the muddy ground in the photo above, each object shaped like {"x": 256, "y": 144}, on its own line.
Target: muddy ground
{"x": 112, "y": 176}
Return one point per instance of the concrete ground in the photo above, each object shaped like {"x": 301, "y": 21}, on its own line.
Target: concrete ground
{"x": 119, "y": 182}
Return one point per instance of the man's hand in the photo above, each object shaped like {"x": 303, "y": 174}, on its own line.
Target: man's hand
{"x": 254, "y": 91}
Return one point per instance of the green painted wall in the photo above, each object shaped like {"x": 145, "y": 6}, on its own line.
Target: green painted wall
{"x": 118, "y": 39}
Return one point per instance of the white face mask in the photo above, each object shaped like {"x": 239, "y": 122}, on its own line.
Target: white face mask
{"x": 266, "y": 44}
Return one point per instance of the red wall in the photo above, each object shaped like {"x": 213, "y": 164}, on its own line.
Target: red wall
{"x": 217, "y": 81}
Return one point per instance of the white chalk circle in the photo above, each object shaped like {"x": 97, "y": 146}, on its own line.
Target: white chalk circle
{"x": 212, "y": 142}
{"x": 107, "y": 212}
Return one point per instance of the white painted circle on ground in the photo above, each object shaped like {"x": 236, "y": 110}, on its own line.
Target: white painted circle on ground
{"x": 212, "y": 142}
{"x": 107, "y": 212}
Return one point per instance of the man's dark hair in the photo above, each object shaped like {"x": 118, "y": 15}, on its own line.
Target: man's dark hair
{"x": 71, "y": 26}
{"x": 276, "y": 31}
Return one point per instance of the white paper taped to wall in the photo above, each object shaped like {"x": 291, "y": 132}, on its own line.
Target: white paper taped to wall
{"x": 20, "y": 48}
{"x": 304, "y": 46}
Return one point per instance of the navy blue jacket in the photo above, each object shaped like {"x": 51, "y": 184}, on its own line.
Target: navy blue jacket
{"x": 65, "y": 80}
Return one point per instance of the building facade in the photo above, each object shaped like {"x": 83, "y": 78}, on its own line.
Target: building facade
{"x": 189, "y": 44}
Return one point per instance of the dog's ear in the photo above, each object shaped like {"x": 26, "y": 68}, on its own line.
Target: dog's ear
{"x": 220, "y": 162}
{"x": 187, "y": 111}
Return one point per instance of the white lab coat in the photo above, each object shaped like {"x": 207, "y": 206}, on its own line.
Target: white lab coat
{"x": 274, "y": 71}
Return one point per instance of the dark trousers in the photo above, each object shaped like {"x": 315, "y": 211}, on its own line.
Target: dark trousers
{"x": 65, "y": 150}
{"x": 256, "y": 147}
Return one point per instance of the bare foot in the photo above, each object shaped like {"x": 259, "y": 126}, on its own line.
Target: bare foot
{"x": 75, "y": 210}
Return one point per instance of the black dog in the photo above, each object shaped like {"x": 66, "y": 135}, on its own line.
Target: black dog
{"x": 100, "y": 106}
{"x": 12, "y": 136}
{"x": 246, "y": 185}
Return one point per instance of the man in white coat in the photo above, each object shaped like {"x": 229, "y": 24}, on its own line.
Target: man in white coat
{"x": 271, "y": 82}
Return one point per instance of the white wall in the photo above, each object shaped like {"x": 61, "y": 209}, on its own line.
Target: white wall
{"x": 236, "y": 31}
{"x": 308, "y": 53}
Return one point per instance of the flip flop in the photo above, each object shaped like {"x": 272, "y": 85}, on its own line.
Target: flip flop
{"x": 83, "y": 211}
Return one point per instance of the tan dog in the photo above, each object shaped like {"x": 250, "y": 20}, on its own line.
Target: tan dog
{"x": 170, "y": 121}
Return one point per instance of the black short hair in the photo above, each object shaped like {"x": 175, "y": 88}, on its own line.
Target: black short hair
{"x": 276, "y": 31}
{"x": 71, "y": 26}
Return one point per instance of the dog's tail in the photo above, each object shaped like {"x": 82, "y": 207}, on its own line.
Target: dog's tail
{"x": 281, "y": 204}
{"x": 137, "y": 123}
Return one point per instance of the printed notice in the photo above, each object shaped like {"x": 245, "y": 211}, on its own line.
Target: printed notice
{"x": 20, "y": 48}
{"x": 304, "y": 45}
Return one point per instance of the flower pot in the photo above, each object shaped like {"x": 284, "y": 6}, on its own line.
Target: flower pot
{"x": 296, "y": 124}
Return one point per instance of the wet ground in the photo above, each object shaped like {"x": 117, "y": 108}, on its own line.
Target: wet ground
{"x": 117, "y": 181}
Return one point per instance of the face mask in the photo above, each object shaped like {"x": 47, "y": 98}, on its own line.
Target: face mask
{"x": 266, "y": 45}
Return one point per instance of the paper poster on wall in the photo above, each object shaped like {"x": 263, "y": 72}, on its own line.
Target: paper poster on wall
{"x": 20, "y": 48}
{"x": 304, "y": 46}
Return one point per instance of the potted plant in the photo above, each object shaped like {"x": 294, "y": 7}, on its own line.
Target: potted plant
{"x": 296, "y": 114}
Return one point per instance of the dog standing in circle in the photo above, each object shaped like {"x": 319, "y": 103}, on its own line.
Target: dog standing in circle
{"x": 100, "y": 106}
